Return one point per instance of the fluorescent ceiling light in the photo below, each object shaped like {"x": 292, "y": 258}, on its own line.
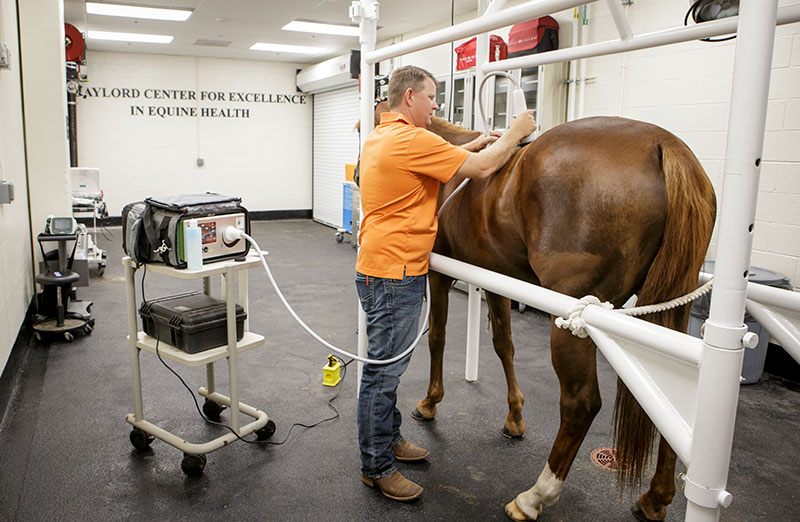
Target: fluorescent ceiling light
{"x": 281, "y": 48}
{"x": 130, "y": 37}
{"x": 313, "y": 27}
{"x": 132, "y": 11}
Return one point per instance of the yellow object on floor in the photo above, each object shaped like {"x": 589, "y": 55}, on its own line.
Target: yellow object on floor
{"x": 332, "y": 372}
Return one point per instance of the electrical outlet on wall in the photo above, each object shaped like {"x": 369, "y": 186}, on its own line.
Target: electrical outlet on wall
{"x": 4, "y": 59}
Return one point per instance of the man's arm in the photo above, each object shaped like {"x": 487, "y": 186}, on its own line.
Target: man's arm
{"x": 480, "y": 143}
{"x": 488, "y": 161}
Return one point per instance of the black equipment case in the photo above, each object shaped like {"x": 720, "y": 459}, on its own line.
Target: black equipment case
{"x": 192, "y": 321}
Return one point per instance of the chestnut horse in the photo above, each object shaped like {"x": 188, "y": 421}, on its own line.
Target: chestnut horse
{"x": 601, "y": 206}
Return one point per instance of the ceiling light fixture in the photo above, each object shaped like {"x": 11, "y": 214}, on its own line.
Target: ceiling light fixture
{"x": 132, "y": 11}
{"x": 130, "y": 37}
{"x": 315, "y": 27}
{"x": 282, "y": 48}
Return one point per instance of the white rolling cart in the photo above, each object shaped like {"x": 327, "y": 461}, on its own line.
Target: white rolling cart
{"x": 144, "y": 432}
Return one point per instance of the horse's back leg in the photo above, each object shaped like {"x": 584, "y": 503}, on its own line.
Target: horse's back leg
{"x": 440, "y": 287}
{"x": 500, "y": 317}
{"x": 652, "y": 506}
{"x": 575, "y": 365}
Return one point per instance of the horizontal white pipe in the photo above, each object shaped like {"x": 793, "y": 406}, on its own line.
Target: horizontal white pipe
{"x": 673, "y": 344}
{"x": 620, "y": 19}
{"x": 768, "y": 295}
{"x": 535, "y": 296}
{"x": 786, "y": 14}
{"x": 481, "y": 24}
{"x": 666, "y": 418}
{"x": 679, "y": 346}
{"x": 778, "y": 327}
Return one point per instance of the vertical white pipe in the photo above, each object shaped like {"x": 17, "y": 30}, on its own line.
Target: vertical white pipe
{"x": 233, "y": 353}
{"x": 745, "y": 142}
{"x": 473, "y": 332}
{"x": 623, "y": 73}
{"x": 481, "y": 59}
{"x": 368, "y": 25}
{"x": 133, "y": 334}
{"x": 719, "y": 375}
{"x": 582, "y": 74}
{"x": 244, "y": 297}
{"x": 573, "y": 67}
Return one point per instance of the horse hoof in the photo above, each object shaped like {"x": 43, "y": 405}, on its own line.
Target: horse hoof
{"x": 507, "y": 434}
{"x": 639, "y": 514}
{"x": 515, "y": 513}
{"x": 417, "y": 415}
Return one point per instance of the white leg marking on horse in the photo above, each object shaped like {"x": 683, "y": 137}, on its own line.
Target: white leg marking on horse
{"x": 545, "y": 492}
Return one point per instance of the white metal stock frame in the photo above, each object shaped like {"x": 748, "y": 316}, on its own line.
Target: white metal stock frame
{"x": 687, "y": 386}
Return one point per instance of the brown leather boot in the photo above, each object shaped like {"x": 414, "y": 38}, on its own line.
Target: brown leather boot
{"x": 406, "y": 452}
{"x": 395, "y": 486}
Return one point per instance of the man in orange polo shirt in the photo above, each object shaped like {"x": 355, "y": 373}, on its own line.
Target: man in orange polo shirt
{"x": 402, "y": 165}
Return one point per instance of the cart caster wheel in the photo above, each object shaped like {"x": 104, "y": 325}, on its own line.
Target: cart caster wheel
{"x": 213, "y": 409}
{"x": 101, "y": 270}
{"x": 89, "y": 310}
{"x": 39, "y": 338}
{"x": 140, "y": 439}
{"x": 522, "y": 307}
{"x": 193, "y": 465}
{"x": 87, "y": 330}
{"x": 91, "y": 322}
{"x": 267, "y": 431}
{"x": 339, "y": 237}
{"x": 68, "y": 337}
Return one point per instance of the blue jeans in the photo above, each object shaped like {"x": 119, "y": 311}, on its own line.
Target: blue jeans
{"x": 393, "y": 307}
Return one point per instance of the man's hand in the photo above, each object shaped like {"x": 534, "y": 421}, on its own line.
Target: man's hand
{"x": 481, "y": 141}
{"x": 522, "y": 125}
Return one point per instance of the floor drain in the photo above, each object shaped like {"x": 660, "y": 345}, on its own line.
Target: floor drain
{"x": 605, "y": 458}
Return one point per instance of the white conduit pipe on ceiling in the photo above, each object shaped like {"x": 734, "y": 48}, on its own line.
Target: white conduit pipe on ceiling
{"x": 786, "y": 15}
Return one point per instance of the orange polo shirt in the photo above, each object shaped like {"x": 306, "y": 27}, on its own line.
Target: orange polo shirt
{"x": 401, "y": 167}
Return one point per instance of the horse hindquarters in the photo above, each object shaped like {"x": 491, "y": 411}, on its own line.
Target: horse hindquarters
{"x": 690, "y": 220}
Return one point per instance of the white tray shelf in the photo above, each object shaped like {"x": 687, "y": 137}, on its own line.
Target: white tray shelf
{"x": 167, "y": 351}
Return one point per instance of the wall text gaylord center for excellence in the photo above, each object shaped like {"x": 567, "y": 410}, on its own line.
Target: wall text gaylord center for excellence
{"x": 165, "y": 111}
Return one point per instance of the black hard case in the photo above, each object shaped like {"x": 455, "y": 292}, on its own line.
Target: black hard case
{"x": 192, "y": 321}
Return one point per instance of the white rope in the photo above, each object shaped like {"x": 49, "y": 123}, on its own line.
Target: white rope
{"x": 576, "y": 324}
{"x": 669, "y": 305}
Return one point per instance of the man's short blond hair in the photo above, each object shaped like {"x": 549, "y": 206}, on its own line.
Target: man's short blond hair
{"x": 402, "y": 79}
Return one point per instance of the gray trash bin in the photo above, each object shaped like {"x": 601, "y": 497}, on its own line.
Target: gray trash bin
{"x": 753, "y": 364}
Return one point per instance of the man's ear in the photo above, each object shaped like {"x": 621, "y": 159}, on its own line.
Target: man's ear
{"x": 407, "y": 95}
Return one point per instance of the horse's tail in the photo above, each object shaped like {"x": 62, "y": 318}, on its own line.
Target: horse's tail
{"x": 691, "y": 209}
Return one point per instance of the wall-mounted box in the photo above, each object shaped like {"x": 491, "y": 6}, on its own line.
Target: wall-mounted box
{"x": 5, "y": 61}
{"x": 6, "y": 192}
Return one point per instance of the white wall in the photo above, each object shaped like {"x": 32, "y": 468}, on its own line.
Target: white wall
{"x": 16, "y": 283}
{"x": 686, "y": 89}
{"x": 262, "y": 155}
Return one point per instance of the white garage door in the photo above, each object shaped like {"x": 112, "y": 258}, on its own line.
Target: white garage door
{"x": 335, "y": 144}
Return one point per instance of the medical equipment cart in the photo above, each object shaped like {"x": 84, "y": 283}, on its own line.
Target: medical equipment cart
{"x": 144, "y": 432}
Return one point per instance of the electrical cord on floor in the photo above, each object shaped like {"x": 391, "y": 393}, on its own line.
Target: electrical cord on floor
{"x": 330, "y": 405}
{"x": 230, "y": 428}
